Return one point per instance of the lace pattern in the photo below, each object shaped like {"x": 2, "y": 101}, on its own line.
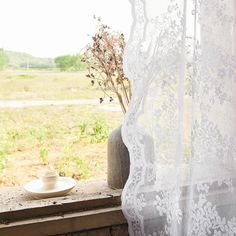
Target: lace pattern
{"x": 180, "y": 127}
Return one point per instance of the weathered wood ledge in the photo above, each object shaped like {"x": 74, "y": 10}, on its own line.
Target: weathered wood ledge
{"x": 90, "y": 205}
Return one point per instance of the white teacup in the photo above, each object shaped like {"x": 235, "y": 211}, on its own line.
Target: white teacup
{"x": 49, "y": 179}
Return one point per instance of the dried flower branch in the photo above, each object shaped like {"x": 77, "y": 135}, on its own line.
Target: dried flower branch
{"x": 104, "y": 59}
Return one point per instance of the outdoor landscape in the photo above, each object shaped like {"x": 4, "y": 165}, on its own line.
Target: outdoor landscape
{"x": 51, "y": 116}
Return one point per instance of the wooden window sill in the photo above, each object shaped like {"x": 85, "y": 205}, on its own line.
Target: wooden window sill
{"x": 90, "y": 205}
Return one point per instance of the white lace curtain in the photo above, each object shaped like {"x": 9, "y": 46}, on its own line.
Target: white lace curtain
{"x": 180, "y": 128}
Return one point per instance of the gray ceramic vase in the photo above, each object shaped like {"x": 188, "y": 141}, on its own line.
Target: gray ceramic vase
{"x": 118, "y": 160}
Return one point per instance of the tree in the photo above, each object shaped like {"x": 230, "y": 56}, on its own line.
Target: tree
{"x": 69, "y": 63}
{"x": 3, "y": 59}
{"x": 78, "y": 65}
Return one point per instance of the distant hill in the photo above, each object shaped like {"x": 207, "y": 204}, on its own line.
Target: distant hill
{"x": 24, "y": 60}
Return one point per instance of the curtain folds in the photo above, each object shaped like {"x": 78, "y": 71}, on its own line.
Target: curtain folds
{"x": 180, "y": 127}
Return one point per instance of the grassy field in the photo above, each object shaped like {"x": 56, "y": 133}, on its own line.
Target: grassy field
{"x": 33, "y": 84}
{"x": 70, "y": 138}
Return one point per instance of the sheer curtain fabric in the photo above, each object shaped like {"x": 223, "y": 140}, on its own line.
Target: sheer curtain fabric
{"x": 180, "y": 127}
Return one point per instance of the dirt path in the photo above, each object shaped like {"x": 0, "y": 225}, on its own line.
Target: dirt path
{"x": 35, "y": 103}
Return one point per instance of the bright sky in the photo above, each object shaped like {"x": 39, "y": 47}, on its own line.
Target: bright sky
{"x": 48, "y": 28}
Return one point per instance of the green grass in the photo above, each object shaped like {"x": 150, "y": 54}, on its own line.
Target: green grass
{"x": 5, "y": 150}
{"x": 52, "y": 85}
{"x": 93, "y": 131}
{"x": 70, "y": 138}
{"x": 73, "y": 165}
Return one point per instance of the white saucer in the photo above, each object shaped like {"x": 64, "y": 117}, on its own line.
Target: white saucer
{"x": 63, "y": 186}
